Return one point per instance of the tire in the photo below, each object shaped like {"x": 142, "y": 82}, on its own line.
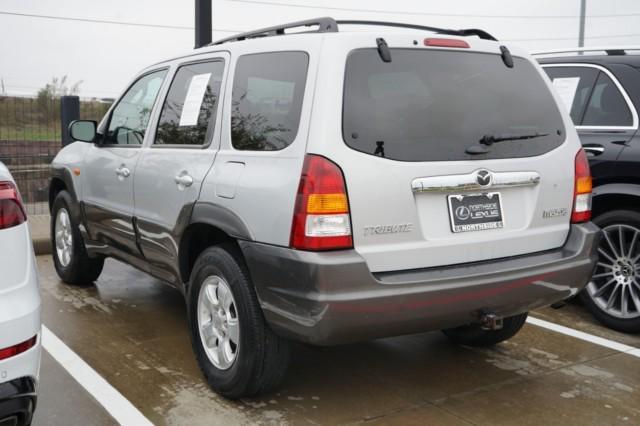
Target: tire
{"x": 622, "y": 275}
{"x": 474, "y": 335}
{"x": 78, "y": 268}
{"x": 258, "y": 361}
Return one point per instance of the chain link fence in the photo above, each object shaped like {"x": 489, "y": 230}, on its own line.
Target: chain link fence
{"x": 30, "y": 138}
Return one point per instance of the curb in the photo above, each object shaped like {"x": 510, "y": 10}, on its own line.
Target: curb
{"x": 39, "y": 228}
{"x": 41, "y": 246}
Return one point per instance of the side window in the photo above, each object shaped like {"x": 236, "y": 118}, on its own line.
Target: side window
{"x": 267, "y": 100}
{"x": 130, "y": 117}
{"x": 188, "y": 114}
{"x": 574, "y": 85}
{"x": 607, "y": 106}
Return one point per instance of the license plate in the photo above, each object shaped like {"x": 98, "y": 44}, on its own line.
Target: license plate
{"x": 475, "y": 212}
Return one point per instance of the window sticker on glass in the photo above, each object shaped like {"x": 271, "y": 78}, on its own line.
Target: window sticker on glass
{"x": 193, "y": 100}
{"x": 566, "y": 89}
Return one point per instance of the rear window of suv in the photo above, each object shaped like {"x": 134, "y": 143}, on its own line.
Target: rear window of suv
{"x": 432, "y": 105}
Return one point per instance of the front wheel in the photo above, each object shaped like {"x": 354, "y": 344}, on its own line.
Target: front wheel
{"x": 70, "y": 258}
{"x": 238, "y": 353}
{"x": 475, "y": 335}
{"x": 613, "y": 294}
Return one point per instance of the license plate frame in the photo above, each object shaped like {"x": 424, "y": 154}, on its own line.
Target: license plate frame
{"x": 480, "y": 211}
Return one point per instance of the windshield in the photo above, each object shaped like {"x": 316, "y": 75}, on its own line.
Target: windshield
{"x": 431, "y": 105}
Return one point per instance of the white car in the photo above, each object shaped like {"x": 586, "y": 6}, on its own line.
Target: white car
{"x": 19, "y": 309}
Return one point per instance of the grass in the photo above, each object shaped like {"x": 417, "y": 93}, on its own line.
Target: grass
{"x": 33, "y": 120}
{"x": 29, "y": 132}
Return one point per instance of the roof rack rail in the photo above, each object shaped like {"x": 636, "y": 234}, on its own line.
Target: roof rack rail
{"x": 463, "y": 32}
{"x": 325, "y": 25}
{"x": 609, "y": 50}
{"x": 330, "y": 25}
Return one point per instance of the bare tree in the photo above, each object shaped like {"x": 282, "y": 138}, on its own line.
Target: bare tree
{"x": 53, "y": 90}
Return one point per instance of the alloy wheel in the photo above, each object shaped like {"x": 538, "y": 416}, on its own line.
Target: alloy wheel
{"x": 615, "y": 285}
{"x": 63, "y": 237}
{"x": 218, "y": 323}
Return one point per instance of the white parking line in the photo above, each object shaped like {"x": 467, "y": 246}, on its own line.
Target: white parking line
{"x": 113, "y": 402}
{"x": 620, "y": 347}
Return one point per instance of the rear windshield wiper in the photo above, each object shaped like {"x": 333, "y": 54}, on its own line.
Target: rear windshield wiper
{"x": 488, "y": 140}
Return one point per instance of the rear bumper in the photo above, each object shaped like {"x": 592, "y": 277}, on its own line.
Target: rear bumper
{"x": 17, "y": 401}
{"x": 331, "y": 298}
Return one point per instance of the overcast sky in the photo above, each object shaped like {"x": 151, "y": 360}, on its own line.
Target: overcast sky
{"x": 105, "y": 56}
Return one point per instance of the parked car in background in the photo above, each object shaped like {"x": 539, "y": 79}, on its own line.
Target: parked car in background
{"x": 601, "y": 88}
{"x": 329, "y": 187}
{"x": 19, "y": 309}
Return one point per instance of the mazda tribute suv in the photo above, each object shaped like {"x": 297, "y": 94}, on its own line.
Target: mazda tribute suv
{"x": 329, "y": 187}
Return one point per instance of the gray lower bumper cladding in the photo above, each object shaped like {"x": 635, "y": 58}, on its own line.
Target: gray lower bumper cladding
{"x": 329, "y": 298}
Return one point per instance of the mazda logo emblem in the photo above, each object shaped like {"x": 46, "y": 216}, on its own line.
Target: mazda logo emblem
{"x": 483, "y": 177}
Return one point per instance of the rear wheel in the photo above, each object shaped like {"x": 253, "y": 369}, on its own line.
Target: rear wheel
{"x": 613, "y": 294}
{"x": 72, "y": 263}
{"x": 236, "y": 350}
{"x": 475, "y": 335}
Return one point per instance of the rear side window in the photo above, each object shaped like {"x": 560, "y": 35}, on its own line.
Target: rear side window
{"x": 189, "y": 111}
{"x": 574, "y": 86}
{"x": 268, "y": 90}
{"x": 607, "y": 106}
{"x": 428, "y": 105}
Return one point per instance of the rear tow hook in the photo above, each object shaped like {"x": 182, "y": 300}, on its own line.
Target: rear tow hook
{"x": 491, "y": 321}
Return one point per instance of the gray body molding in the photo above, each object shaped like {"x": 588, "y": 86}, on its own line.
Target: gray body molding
{"x": 328, "y": 298}
{"x": 221, "y": 218}
{"x": 63, "y": 174}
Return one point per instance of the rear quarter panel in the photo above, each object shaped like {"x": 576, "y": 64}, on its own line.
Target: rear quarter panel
{"x": 260, "y": 187}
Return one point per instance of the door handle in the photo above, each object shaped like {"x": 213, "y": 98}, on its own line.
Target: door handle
{"x": 624, "y": 143}
{"x": 594, "y": 150}
{"x": 184, "y": 179}
{"x": 123, "y": 172}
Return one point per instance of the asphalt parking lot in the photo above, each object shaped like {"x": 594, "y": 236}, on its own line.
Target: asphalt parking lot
{"x": 131, "y": 329}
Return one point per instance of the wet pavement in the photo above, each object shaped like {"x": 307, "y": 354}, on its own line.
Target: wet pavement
{"x": 63, "y": 401}
{"x": 132, "y": 330}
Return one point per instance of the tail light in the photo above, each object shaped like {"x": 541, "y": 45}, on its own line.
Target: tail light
{"x": 17, "y": 349}
{"x": 12, "y": 211}
{"x": 321, "y": 219}
{"x": 582, "y": 190}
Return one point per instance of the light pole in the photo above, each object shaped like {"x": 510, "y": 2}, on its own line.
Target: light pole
{"x": 203, "y": 23}
{"x": 583, "y": 10}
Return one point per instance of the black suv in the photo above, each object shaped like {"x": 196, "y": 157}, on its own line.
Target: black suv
{"x": 602, "y": 89}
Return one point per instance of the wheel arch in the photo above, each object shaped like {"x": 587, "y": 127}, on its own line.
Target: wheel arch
{"x": 210, "y": 225}
{"x": 618, "y": 196}
{"x": 61, "y": 180}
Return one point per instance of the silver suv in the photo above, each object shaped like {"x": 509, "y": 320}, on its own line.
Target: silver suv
{"x": 328, "y": 187}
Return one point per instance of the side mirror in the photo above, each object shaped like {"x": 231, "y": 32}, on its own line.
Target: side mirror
{"x": 83, "y": 130}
